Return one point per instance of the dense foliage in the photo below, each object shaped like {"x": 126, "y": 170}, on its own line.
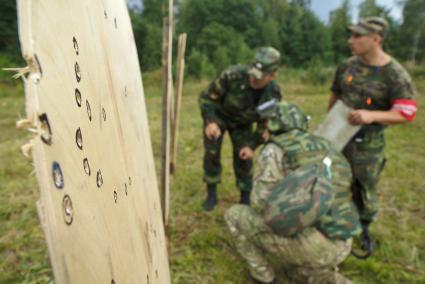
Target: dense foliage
{"x": 223, "y": 32}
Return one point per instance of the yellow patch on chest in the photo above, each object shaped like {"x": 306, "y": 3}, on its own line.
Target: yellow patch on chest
{"x": 349, "y": 79}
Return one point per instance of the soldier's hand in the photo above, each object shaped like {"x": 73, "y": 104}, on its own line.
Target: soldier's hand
{"x": 212, "y": 131}
{"x": 360, "y": 116}
{"x": 246, "y": 153}
{"x": 266, "y": 135}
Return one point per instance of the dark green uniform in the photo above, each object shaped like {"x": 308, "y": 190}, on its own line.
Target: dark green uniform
{"x": 231, "y": 103}
{"x": 371, "y": 88}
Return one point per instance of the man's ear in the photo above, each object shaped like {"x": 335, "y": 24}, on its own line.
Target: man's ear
{"x": 377, "y": 38}
{"x": 273, "y": 75}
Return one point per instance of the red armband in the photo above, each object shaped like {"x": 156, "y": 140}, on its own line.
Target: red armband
{"x": 406, "y": 108}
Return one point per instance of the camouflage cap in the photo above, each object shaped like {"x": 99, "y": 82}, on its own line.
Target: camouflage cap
{"x": 370, "y": 25}
{"x": 267, "y": 60}
{"x": 287, "y": 117}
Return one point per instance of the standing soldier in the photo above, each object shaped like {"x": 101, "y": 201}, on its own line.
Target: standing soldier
{"x": 302, "y": 209}
{"x": 230, "y": 104}
{"x": 381, "y": 92}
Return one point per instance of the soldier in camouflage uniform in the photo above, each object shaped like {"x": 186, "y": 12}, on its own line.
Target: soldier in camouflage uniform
{"x": 309, "y": 244}
{"x": 229, "y": 105}
{"x": 381, "y": 92}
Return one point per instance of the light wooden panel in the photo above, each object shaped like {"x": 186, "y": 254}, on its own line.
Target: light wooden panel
{"x": 103, "y": 225}
{"x": 167, "y": 109}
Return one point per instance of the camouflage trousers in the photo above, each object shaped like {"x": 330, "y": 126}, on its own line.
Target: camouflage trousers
{"x": 308, "y": 258}
{"x": 240, "y": 138}
{"x": 367, "y": 164}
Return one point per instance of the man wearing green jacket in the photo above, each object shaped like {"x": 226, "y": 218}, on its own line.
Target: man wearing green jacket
{"x": 381, "y": 93}
{"x": 229, "y": 104}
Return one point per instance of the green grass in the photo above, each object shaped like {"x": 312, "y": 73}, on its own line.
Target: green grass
{"x": 23, "y": 254}
{"x": 200, "y": 247}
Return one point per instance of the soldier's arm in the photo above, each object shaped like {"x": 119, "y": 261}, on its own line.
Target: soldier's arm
{"x": 260, "y": 131}
{"x": 390, "y": 117}
{"x": 336, "y": 87}
{"x": 212, "y": 98}
{"x": 403, "y": 101}
{"x": 257, "y": 138}
{"x": 403, "y": 105}
{"x": 270, "y": 170}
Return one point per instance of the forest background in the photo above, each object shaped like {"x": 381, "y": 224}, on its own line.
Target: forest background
{"x": 224, "y": 32}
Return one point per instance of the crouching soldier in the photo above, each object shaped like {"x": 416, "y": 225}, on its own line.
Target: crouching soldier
{"x": 302, "y": 210}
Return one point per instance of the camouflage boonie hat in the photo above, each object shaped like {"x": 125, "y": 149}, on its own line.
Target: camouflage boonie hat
{"x": 300, "y": 199}
{"x": 287, "y": 117}
{"x": 370, "y": 25}
{"x": 267, "y": 60}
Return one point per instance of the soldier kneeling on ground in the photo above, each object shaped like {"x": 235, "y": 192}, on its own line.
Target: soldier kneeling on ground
{"x": 302, "y": 210}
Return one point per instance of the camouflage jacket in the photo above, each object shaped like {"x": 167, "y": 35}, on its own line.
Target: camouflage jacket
{"x": 230, "y": 101}
{"x": 289, "y": 151}
{"x": 361, "y": 86}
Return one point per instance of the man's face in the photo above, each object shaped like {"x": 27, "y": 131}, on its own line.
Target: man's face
{"x": 257, "y": 84}
{"x": 363, "y": 44}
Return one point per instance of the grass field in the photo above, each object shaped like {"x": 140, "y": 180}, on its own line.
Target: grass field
{"x": 200, "y": 247}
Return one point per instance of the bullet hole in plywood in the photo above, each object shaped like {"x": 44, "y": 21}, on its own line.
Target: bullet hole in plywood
{"x": 46, "y": 130}
{"x": 57, "y": 175}
{"x": 67, "y": 209}
{"x": 129, "y": 181}
{"x": 79, "y": 139}
{"x": 86, "y": 166}
{"x": 104, "y": 114}
{"x": 125, "y": 189}
{"x": 77, "y": 72}
{"x": 115, "y": 196}
{"x": 74, "y": 41}
{"x": 88, "y": 109}
{"x": 105, "y": 14}
{"x": 78, "y": 97}
{"x": 99, "y": 179}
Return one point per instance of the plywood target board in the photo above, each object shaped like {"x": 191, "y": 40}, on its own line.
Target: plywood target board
{"x": 99, "y": 203}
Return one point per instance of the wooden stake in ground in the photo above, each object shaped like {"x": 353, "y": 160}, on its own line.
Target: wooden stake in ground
{"x": 166, "y": 111}
{"x": 177, "y": 100}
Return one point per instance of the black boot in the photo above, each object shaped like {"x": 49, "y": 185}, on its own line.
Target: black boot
{"x": 245, "y": 198}
{"x": 211, "y": 200}
{"x": 366, "y": 243}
